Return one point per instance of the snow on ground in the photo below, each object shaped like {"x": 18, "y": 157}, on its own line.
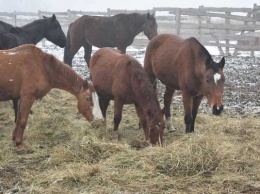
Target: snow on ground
{"x": 242, "y": 86}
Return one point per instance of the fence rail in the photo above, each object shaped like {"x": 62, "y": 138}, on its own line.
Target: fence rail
{"x": 229, "y": 29}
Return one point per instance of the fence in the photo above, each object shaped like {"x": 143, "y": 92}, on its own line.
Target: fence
{"x": 229, "y": 29}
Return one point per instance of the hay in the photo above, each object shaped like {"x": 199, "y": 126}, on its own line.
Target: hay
{"x": 74, "y": 156}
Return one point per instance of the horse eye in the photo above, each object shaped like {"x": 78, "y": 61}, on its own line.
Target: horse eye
{"x": 88, "y": 98}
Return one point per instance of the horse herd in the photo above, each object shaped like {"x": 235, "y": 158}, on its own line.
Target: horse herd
{"x": 27, "y": 73}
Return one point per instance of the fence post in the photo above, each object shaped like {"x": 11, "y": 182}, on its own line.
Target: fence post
{"x": 40, "y": 17}
{"x": 15, "y": 18}
{"x": 199, "y": 23}
{"x": 227, "y": 22}
{"x": 178, "y": 21}
{"x": 253, "y": 41}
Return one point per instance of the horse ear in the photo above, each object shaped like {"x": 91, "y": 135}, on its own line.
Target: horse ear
{"x": 44, "y": 17}
{"x": 53, "y": 18}
{"x": 208, "y": 63}
{"x": 222, "y": 63}
{"x": 85, "y": 84}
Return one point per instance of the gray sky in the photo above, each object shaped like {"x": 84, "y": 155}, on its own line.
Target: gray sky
{"x": 102, "y": 5}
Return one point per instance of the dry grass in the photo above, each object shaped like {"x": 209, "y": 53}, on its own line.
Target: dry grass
{"x": 74, "y": 156}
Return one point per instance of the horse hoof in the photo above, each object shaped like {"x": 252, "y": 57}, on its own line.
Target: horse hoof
{"x": 23, "y": 151}
{"x": 172, "y": 129}
{"x": 115, "y": 138}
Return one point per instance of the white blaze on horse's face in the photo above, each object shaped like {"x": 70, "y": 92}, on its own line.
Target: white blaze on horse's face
{"x": 217, "y": 77}
{"x": 96, "y": 111}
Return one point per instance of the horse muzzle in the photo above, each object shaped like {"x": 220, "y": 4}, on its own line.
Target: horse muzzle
{"x": 216, "y": 110}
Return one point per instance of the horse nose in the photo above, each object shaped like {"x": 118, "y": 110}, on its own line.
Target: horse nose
{"x": 216, "y": 110}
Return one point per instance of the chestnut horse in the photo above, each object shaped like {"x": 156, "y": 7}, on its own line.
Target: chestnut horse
{"x": 112, "y": 31}
{"x": 31, "y": 33}
{"x": 121, "y": 78}
{"x": 185, "y": 65}
{"x": 28, "y": 73}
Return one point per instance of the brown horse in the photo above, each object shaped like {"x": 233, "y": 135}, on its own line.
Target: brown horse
{"x": 28, "y": 73}
{"x": 185, "y": 65}
{"x": 31, "y": 33}
{"x": 121, "y": 78}
{"x": 113, "y": 31}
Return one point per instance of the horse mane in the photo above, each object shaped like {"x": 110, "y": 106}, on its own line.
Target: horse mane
{"x": 204, "y": 53}
{"x": 135, "y": 19}
{"x": 146, "y": 92}
{"x": 65, "y": 70}
{"x": 33, "y": 23}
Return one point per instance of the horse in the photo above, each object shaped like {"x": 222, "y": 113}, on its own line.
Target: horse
{"x": 120, "y": 77}
{"x": 112, "y": 31}
{"x": 186, "y": 65}
{"x": 27, "y": 73}
{"x": 31, "y": 33}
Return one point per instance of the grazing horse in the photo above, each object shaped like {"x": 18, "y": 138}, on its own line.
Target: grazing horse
{"x": 31, "y": 33}
{"x": 121, "y": 78}
{"x": 185, "y": 65}
{"x": 114, "y": 31}
{"x": 27, "y": 73}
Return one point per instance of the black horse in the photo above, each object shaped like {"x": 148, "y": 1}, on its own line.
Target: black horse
{"x": 114, "y": 31}
{"x": 31, "y": 33}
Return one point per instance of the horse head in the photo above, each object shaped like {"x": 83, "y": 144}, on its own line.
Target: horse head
{"x": 214, "y": 84}
{"x": 54, "y": 33}
{"x": 155, "y": 125}
{"x": 150, "y": 26}
{"x": 88, "y": 104}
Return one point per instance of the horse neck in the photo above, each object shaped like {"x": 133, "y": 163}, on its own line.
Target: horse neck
{"x": 139, "y": 20}
{"x": 63, "y": 77}
{"x": 35, "y": 31}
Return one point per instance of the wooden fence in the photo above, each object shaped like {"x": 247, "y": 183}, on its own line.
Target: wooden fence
{"x": 229, "y": 29}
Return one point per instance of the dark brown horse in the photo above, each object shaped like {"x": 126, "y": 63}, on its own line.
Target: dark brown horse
{"x": 31, "y": 33}
{"x": 116, "y": 31}
{"x": 121, "y": 78}
{"x": 185, "y": 65}
{"x": 28, "y": 73}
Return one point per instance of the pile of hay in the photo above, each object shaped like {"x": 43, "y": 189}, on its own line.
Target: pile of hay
{"x": 73, "y": 156}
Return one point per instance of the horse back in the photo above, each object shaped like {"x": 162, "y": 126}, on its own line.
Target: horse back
{"x": 111, "y": 71}
{"x": 103, "y": 31}
{"x": 19, "y": 66}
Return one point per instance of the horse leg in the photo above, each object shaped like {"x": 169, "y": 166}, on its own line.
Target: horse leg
{"x": 15, "y": 107}
{"x": 118, "y": 107}
{"x": 196, "y": 104}
{"x": 142, "y": 121}
{"x": 88, "y": 50}
{"x": 167, "y": 105}
{"x": 188, "y": 104}
{"x": 26, "y": 103}
{"x": 103, "y": 103}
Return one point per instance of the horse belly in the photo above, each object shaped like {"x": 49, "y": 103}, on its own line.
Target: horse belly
{"x": 169, "y": 80}
{"x": 9, "y": 89}
{"x": 8, "y": 94}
